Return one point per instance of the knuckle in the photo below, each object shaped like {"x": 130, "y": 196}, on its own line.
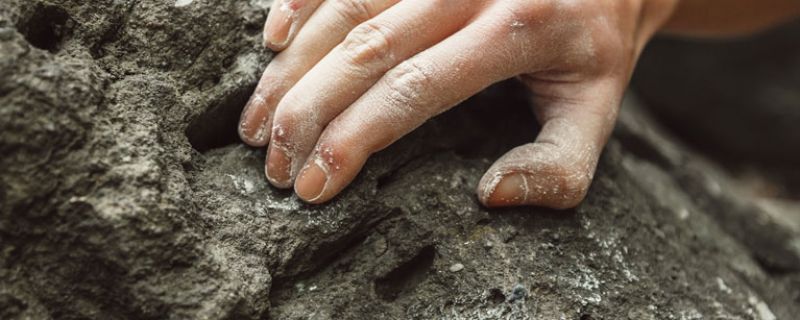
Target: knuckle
{"x": 353, "y": 11}
{"x": 524, "y": 15}
{"x": 575, "y": 9}
{"x": 367, "y": 45}
{"x": 585, "y": 43}
{"x": 406, "y": 81}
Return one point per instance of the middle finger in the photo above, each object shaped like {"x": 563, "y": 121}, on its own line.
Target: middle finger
{"x": 325, "y": 29}
{"x": 351, "y": 69}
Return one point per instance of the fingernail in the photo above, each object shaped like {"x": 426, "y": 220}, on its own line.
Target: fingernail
{"x": 244, "y": 124}
{"x": 279, "y": 23}
{"x": 254, "y": 131}
{"x": 311, "y": 182}
{"x": 279, "y": 167}
{"x": 511, "y": 190}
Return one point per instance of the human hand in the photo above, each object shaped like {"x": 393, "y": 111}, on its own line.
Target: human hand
{"x": 353, "y": 76}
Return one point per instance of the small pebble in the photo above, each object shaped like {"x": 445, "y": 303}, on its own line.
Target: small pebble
{"x": 456, "y": 267}
{"x": 183, "y": 3}
{"x": 517, "y": 293}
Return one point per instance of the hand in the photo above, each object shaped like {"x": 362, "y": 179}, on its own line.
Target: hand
{"x": 353, "y": 76}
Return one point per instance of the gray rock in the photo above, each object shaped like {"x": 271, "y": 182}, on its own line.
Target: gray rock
{"x": 125, "y": 194}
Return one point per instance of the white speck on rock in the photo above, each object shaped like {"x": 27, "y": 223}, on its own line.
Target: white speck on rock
{"x": 243, "y": 184}
{"x": 683, "y": 213}
{"x": 456, "y": 267}
{"x": 183, "y": 3}
{"x": 762, "y": 309}
{"x": 248, "y": 186}
{"x": 722, "y": 286}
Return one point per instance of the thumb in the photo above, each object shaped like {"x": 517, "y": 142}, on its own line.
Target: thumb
{"x": 556, "y": 170}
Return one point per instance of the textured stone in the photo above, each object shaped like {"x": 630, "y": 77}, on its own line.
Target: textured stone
{"x": 125, "y": 194}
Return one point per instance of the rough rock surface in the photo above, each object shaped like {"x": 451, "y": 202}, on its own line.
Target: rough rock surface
{"x": 124, "y": 194}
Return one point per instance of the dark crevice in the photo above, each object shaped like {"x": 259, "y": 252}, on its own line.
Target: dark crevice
{"x": 343, "y": 248}
{"x": 217, "y": 127}
{"x": 47, "y": 28}
{"x": 282, "y": 286}
{"x": 641, "y": 148}
{"x": 403, "y": 279}
{"x": 112, "y": 34}
{"x": 504, "y": 110}
{"x": 496, "y": 296}
{"x": 327, "y": 255}
{"x": 772, "y": 268}
{"x": 389, "y": 177}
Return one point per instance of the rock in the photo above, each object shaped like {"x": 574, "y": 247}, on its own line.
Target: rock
{"x": 769, "y": 227}
{"x": 456, "y": 267}
{"x": 737, "y": 102}
{"x": 517, "y": 293}
{"x": 125, "y": 194}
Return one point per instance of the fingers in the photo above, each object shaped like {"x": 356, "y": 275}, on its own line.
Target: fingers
{"x": 324, "y": 30}
{"x": 286, "y": 17}
{"x": 406, "y": 96}
{"x": 556, "y": 170}
{"x": 356, "y": 64}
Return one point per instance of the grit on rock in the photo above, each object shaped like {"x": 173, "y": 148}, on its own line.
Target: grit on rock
{"x": 125, "y": 194}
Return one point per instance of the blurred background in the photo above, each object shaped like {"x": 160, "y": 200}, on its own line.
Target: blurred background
{"x": 736, "y": 101}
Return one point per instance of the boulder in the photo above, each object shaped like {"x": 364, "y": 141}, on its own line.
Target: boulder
{"x": 125, "y": 194}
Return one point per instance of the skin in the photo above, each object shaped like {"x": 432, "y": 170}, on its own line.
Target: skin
{"x": 353, "y": 76}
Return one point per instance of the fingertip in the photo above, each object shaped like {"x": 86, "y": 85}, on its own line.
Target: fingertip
{"x": 278, "y": 27}
{"x": 519, "y": 189}
{"x": 276, "y": 47}
{"x": 254, "y": 123}
{"x": 504, "y": 190}
{"x": 521, "y": 178}
{"x": 311, "y": 182}
{"x": 329, "y": 170}
{"x": 278, "y": 166}
{"x": 257, "y": 139}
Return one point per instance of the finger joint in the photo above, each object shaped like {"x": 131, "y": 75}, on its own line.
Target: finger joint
{"x": 406, "y": 82}
{"x": 368, "y": 47}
